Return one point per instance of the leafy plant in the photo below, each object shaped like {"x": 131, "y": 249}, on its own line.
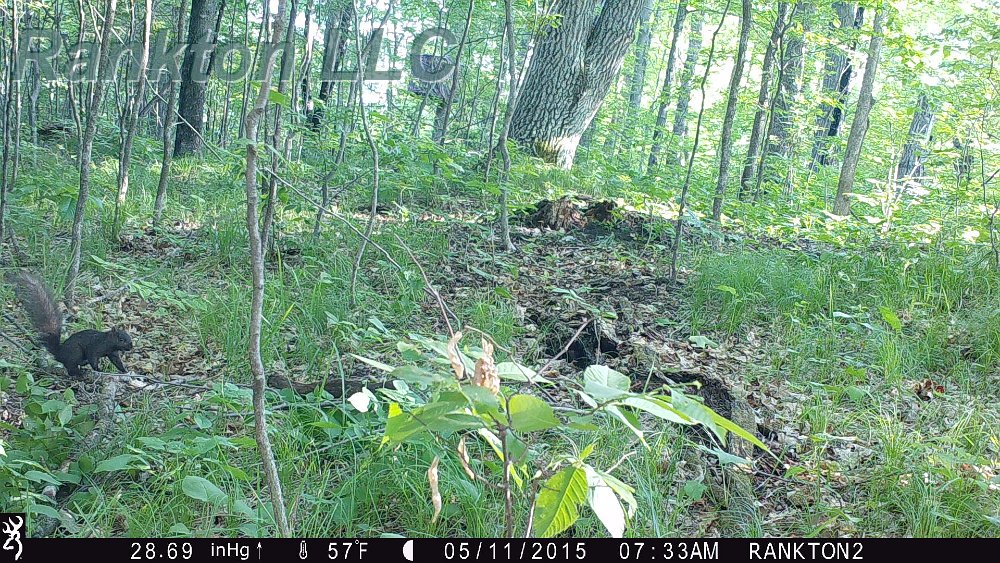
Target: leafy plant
{"x": 445, "y": 398}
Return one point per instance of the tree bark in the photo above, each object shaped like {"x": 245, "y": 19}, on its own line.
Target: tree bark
{"x": 169, "y": 121}
{"x": 687, "y": 82}
{"x": 682, "y": 204}
{"x": 570, "y": 73}
{"x": 641, "y": 56}
{"x": 763, "y": 99}
{"x": 442, "y": 132}
{"x": 334, "y": 49}
{"x": 257, "y": 303}
{"x": 132, "y": 120}
{"x": 726, "y": 144}
{"x": 191, "y": 107}
{"x": 512, "y": 101}
{"x": 87, "y": 148}
{"x": 842, "y": 206}
{"x": 11, "y": 114}
{"x": 661, "y": 114}
{"x": 911, "y": 163}
{"x": 792, "y": 65}
{"x": 837, "y": 76}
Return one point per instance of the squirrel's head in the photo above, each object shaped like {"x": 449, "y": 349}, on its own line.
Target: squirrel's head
{"x": 124, "y": 340}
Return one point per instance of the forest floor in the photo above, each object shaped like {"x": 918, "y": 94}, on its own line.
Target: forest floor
{"x": 871, "y": 373}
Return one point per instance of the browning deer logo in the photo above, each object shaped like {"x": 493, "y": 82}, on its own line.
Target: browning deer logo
{"x": 12, "y": 526}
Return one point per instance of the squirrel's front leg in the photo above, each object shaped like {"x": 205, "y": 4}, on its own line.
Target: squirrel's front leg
{"x": 117, "y": 360}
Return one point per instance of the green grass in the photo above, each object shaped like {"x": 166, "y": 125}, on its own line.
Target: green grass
{"x": 847, "y": 373}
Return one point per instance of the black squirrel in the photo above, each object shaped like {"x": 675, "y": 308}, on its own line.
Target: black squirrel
{"x": 82, "y": 348}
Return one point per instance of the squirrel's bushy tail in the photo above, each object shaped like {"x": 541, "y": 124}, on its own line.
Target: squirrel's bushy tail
{"x": 41, "y": 307}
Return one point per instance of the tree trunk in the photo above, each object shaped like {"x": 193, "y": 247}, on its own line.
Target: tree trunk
{"x": 763, "y": 99}
{"x": 284, "y": 79}
{"x": 512, "y": 102}
{"x": 10, "y": 115}
{"x": 257, "y": 303}
{"x": 792, "y": 65}
{"x": 661, "y": 114}
{"x": 911, "y": 163}
{"x": 837, "y": 75}
{"x": 191, "y": 107}
{"x": 87, "y": 148}
{"x": 334, "y": 48}
{"x": 726, "y": 144}
{"x": 131, "y": 119}
{"x": 687, "y": 82}
{"x": 859, "y": 126}
{"x": 442, "y": 130}
{"x": 641, "y": 56}
{"x": 682, "y": 204}
{"x": 169, "y": 121}
{"x": 570, "y": 73}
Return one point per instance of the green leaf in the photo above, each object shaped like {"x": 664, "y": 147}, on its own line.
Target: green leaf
{"x": 737, "y": 429}
{"x": 725, "y": 458}
{"x": 279, "y": 98}
{"x": 117, "y": 463}
{"x": 703, "y": 342}
{"x": 38, "y": 477}
{"x": 557, "y": 506}
{"x": 45, "y": 510}
{"x": 605, "y": 504}
{"x": 629, "y": 420}
{"x": 517, "y": 372}
{"x": 890, "y": 318}
{"x": 727, "y": 289}
{"x": 204, "y": 490}
{"x": 657, "y": 408}
{"x": 603, "y": 383}
{"x": 696, "y": 411}
{"x": 375, "y": 363}
{"x": 531, "y": 414}
{"x": 417, "y": 376}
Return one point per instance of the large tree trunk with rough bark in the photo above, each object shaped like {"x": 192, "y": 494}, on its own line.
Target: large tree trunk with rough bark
{"x": 726, "y": 143}
{"x": 684, "y": 90}
{"x": 859, "y": 126}
{"x": 763, "y": 98}
{"x": 664, "y": 101}
{"x": 837, "y": 74}
{"x": 194, "y": 80}
{"x": 570, "y": 73}
{"x": 911, "y": 163}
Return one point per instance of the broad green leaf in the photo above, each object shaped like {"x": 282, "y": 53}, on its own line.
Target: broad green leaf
{"x": 657, "y": 408}
{"x": 117, "y": 463}
{"x": 557, "y": 506}
{"x": 701, "y": 341}
{"x": 696, "y": 411}
{"x": 624, "y": 491}
{"x": 417, "y": 376}
{"x": 204, "y": 490}
{"x": 374, "y": 363}
{"x": 531, "y": 414}
{"x": 604, "y": 384}
{"x": 629, "y": 420}
{"x": 736, "y": 429}
{"x": 890, "y": 318}
{"x": 605, "y": 504}
{"x": 725, "y": 458}
{"x": 517, "y": 372}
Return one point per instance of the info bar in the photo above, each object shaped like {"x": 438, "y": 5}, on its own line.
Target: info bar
{"x": 390, "y": 550}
